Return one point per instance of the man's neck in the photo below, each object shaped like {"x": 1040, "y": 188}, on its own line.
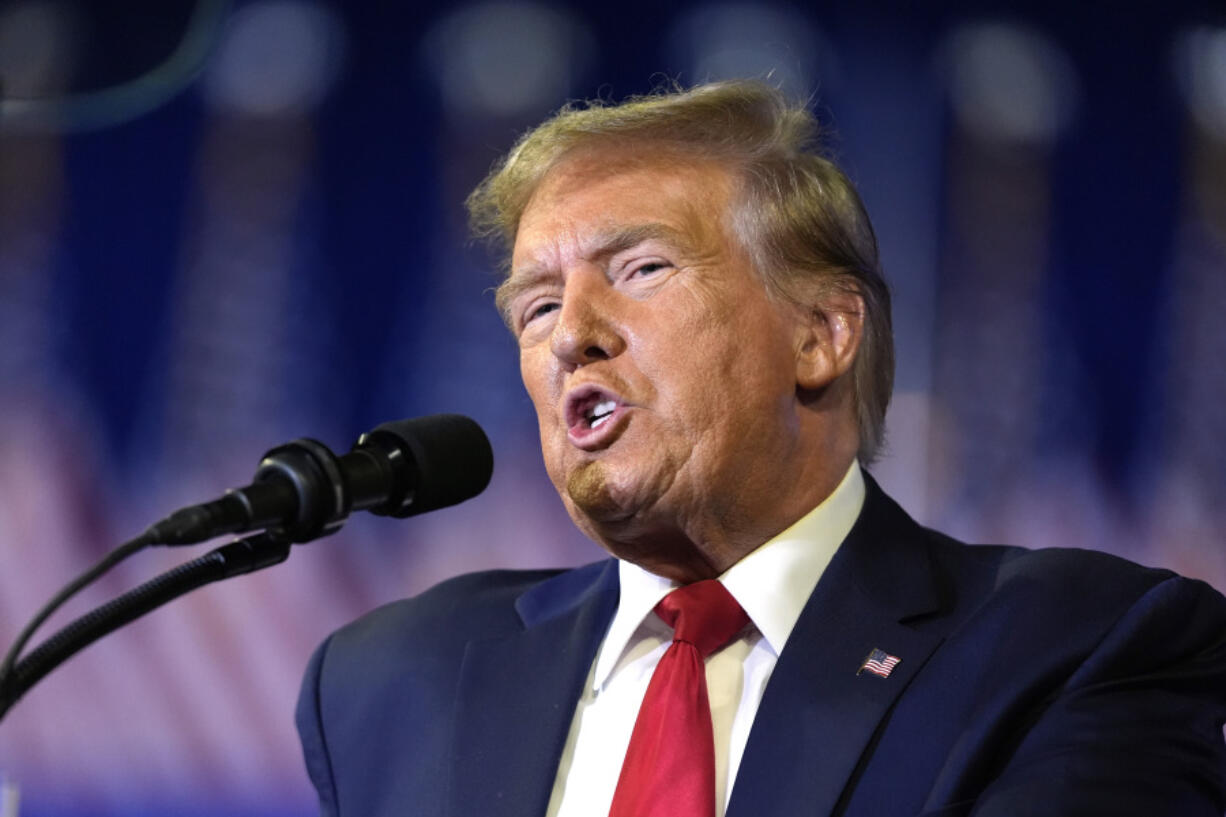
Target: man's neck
{"x": 707, "y": 548}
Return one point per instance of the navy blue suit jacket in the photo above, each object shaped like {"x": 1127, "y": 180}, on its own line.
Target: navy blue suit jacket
{"x": 1051, "y": 682}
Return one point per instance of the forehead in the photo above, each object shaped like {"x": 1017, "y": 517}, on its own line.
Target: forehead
{"x": 591, "y": 196}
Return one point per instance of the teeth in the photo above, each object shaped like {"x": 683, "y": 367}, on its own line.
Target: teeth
{"x": 601, "y": 413}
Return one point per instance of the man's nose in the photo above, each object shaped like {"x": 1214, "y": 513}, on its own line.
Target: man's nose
{"x": 587, "y": 327}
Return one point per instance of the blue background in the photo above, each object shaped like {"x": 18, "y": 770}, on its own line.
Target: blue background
{"x": 224, "y": 226}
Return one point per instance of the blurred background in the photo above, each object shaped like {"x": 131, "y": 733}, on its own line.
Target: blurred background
{"x": 227, "y": 225}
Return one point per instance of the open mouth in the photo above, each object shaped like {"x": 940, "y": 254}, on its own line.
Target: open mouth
{"x": 589, "y": 409}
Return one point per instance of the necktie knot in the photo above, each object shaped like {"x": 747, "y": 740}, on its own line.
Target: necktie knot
{"x": 703, "y": 614}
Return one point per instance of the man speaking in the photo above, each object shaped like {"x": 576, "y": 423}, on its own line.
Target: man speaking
{"x": 705, "y": 333}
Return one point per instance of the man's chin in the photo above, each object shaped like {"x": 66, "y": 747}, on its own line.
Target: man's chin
{"x": 608, "y": 498}
{"x": 594, "y": 495}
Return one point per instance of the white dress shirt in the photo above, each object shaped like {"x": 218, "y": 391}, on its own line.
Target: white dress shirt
{"x": 771, "y": 584}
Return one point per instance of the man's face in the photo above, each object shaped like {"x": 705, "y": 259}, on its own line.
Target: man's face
{"x": 664, "y": 377}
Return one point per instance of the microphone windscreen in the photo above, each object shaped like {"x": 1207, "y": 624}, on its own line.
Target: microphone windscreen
{"x": 451, "y": 456}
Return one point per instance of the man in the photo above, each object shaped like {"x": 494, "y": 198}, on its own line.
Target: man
{"x": 704, "y": 332}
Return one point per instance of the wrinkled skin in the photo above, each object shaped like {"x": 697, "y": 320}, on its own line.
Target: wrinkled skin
{"x": 733, "y": 416}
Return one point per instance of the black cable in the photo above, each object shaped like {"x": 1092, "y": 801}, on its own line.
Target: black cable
{"x": 253, "y": 553}
{"x": 69, "y": 590}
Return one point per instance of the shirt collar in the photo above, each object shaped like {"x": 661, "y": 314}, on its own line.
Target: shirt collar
{"x": 771, "y": 584}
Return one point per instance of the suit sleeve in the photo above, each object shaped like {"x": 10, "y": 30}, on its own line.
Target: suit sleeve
{"x": 310, "y": 730}
{"x": 1137, "y": 728}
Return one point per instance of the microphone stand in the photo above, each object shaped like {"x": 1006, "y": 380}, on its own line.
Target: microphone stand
{"x": 302, "y": 491}
{"x": 244, "y": 556}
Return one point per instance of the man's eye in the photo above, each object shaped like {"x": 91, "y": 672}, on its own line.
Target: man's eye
{"x": 539, "y": 310}
{"x": 650, "y": 268}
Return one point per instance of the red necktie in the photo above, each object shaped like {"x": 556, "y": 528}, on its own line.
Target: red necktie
{"x": 669, "y": 769}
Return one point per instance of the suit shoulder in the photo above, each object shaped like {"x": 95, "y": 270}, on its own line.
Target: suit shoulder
{"x": 1013, "y": 562}
{"x": 1072, "y": 586}
{"x": 419, "y": 642}
{"x": 1001, "y": 564}
{"x": 465, "y": 606}
{"x": 1066, "y": 571}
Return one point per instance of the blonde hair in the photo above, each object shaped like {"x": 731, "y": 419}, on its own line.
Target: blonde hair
{"x": 796, "y": 214}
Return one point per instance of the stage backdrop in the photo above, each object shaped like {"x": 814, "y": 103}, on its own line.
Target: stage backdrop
{"x": 225, "y": 226}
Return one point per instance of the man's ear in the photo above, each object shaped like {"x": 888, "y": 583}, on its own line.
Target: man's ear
{"x": 828, "y": 337}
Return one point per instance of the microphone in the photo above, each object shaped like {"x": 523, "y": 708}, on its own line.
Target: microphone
{"x": 303, "y": 491}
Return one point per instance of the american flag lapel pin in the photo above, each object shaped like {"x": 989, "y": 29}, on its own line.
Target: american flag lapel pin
{"x": 879, "y": 663}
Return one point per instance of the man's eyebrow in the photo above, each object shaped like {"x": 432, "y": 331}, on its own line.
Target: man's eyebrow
{"x": 601, "y": 247}
{"x": 606, "y": 244}
{"x": 518, "y": 282}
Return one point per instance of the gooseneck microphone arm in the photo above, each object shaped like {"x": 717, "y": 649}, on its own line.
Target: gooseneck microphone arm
{"x": 301, "y": 491}
{"x": 247, "y": 555}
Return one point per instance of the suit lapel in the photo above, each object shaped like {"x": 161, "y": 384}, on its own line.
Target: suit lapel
{"x": 517, "y": 695}
{"x": 819, "y": 714}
